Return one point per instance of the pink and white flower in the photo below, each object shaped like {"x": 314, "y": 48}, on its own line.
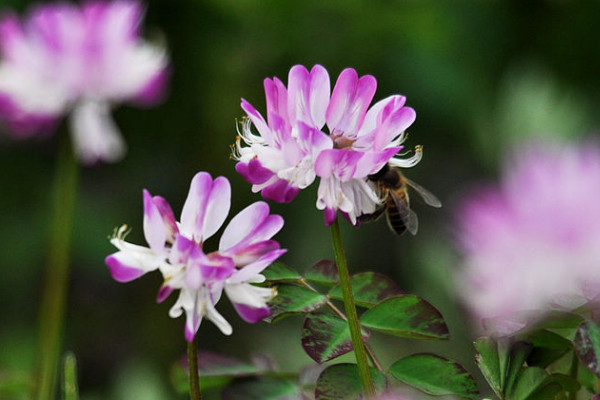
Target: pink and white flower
{"x": 176, "y": 249}
{"x": 531, "y": 245}
{"x": 78, "y": 60}
{"x": 291, "y": 148}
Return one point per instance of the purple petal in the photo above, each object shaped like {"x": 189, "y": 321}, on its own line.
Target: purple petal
{"x": 251, "y": 225}
{"x": 256, "y": 267}
{"x": 246, "y": 255}
{"x": 329, "y": 214}
{"x": 276, "y": 95}
{"x": 22, "y": 124}
{"x": 155, "y": 89}
{"x": 216, "y": 267}
{"x": 11, "y": 37}
{"x": 217, "y": 207}
{"x": 280, "y": 191}
{"x": 123, "y": 267}
{"x": 376, "y": 114}
{"x": 254, "y": 172}
{"x": 164, "y": 292}
{"x": 373, "y": 161}
{"x": 252, "y": 314}
{"x": 338, "y": 162}
{"x": 206, "y": 206}
{"x": 168, "y": 217}
{"x": 308, "y": 95}
{"x": 181, "y": 250}
{"x": 349, "y": 102}
{"x": 154, "y": 226}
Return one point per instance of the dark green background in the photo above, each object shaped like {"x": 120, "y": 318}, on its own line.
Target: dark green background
{"x": 481, "y": 76}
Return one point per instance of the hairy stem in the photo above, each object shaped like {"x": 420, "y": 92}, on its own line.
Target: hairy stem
{"x": 355, "y": 332}
{"x": 192, "y": 355}
{"x": 57, "y": 272}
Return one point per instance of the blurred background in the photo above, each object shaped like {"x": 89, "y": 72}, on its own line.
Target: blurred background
{"x": 481, "y": 75}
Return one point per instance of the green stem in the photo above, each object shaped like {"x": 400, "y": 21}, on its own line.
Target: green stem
{"x": 70, "y": 391}
{"x": 192, "y": 355}
{"x": 52, "y": 308}
{"x": 355, "y": 332}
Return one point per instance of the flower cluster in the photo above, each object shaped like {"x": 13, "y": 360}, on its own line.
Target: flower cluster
{"x": 532, "y": 245}
{"x": 176, "y": 250}
{"x": 291, "y": 148}
{"x": 81, "y": 60}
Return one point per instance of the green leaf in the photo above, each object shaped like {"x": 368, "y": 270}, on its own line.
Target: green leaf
{"x": 216, "y": 370}
{"x": 342, "y": 382}
{"x": 325, "y": 337}
{"x": 532, "y": 383}
{"x": 279, "y": 273}
{"x": 70, "y": 388}
{"x": 435, "y": 375}
{"x": 547, "y": 347}
{"x": 519, "y": 351}
{"x": 369, "y": 288}
{"x": 292, "y": 299}
{"x": 323, "y": 272}
{"x": 488, "y": 360}
{"x": 262, "y": 389}
{"x": 568, "y": 383}
{"x": 406, "y": 316}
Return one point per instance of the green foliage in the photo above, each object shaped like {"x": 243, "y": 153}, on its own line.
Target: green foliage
{"x": 278, "y": 272}
{"x": 323, "y": 272}
{"x": 325, "y": 337}
{"x": 292, "y": 299}
{"x": 435, "y": 375}
{"x": 369, "y": 288}
{"x": 342, "y": 382}
{"x": 406, "y": 316}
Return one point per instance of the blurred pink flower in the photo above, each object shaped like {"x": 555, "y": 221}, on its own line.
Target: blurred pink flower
{"x": 532, "y": 244}
{"x": 78, "y": 60}
{"x": 291, "y": 149}
{"x": 176, "y": 250}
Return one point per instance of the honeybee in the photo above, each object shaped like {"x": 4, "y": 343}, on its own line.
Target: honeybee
{"x": 393, "y": 187}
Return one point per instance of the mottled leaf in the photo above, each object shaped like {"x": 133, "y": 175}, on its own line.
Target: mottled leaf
{"x": 323, "y": 272}
{"x": 262, "y": 389}
{"x": 325, "y": 337}
{"x": 587, "y": 345}
{"x": 342, "y": 382}
{"x": 488, "y": 360}
{"x": 435, "y": 375}
{"x": 278, "y": 272}
{"x": 292, "y": 299}
{"x": 406, "y": 316}
{"x": 369, "y": 288}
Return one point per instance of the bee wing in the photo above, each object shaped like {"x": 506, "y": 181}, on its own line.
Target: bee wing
{"x": 408, "y": 216}
{"x": 430, "y": 198}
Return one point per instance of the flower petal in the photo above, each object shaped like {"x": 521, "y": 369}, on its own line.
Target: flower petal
{"x": 251, "y": 225}
{"x": 308, "y": 95}
{"x": 349, "y": 102}
{"x": 154, "y": 227}
{"x": 280, "y": 191}
{"x": 256, "y": 267}
{"x": 250, "y": 301}
{"x": 126, "y": 266}
{"x": 95, "y": 135}
{"x": 253, "y": 171}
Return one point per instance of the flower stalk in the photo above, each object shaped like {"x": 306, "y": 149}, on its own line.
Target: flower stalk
{"x": 54, "y": 297}
{"x": 355, "y": 331}
{"x": 192, "y": 354}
